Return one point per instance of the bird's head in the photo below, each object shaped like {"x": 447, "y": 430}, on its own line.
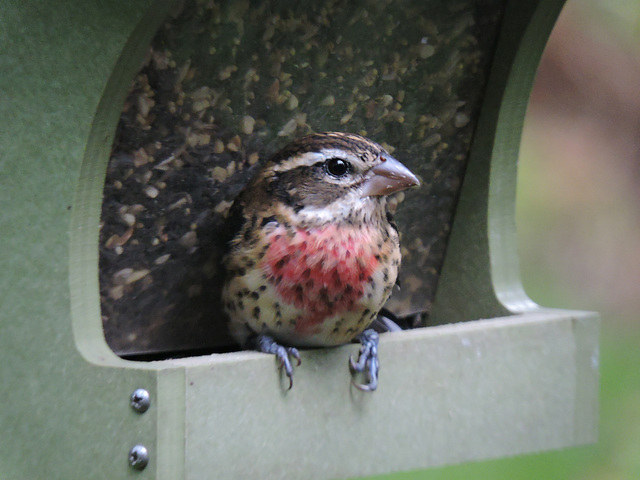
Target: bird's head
{"x": 332, "y": 177}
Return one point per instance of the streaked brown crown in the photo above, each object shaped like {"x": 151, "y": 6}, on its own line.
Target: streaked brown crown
{"x": 358, "y": 145}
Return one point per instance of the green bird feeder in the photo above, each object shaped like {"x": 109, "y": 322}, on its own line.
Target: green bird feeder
{"x": 126, "y": 130}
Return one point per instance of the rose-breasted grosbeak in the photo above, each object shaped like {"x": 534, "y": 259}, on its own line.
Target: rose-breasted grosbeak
{"x": 315, "y": 254}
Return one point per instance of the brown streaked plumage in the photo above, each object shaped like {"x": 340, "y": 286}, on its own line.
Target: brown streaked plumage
{"x": 315, "y": 255}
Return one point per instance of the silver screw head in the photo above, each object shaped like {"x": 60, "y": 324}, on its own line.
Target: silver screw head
{"x": 138, "y": 457}
{"x": 140, "y": 400}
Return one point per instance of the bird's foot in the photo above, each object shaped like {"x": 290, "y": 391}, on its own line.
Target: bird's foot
{"x": 387, "y": 321}
{"x": 367, "y": 361}
{"x": 266, "y": 344}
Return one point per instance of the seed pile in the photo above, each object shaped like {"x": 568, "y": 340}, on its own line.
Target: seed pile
{"x": 226, "y": 84}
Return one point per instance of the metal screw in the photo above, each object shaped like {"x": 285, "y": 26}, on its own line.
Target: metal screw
{"x": 138, "y": 457}
{"x": 140, "y": 400}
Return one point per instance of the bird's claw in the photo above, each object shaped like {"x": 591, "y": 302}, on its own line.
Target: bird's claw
{"x": 283, "y": 354}
{"x": 367, "y": 361}
{"x": 266, "y": 344}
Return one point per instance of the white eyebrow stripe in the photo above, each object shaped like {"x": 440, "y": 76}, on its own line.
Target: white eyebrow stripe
{"x": 311, "y": 158}
{"x": 305, "y": 160}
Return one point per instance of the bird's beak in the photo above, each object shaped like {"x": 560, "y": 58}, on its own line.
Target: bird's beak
{"x": 389, "y": 176}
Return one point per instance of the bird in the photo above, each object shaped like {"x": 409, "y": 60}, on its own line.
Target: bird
{"x": 314, "y": 254}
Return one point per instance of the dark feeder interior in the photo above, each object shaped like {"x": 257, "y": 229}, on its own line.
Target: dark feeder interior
{"x": 227, "y": 84}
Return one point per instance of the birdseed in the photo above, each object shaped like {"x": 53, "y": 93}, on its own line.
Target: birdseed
{"x": 226, "y": 84}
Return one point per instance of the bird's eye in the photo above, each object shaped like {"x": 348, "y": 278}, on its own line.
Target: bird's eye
{"x": 337, "y": 167}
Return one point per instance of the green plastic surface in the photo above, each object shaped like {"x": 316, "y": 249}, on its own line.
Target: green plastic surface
{"x": 480, "y": 277}
{"x": 447, "y": 394}
{"x": 63, "y": 414}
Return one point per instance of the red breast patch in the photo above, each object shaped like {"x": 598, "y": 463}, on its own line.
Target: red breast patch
{"x": 323, "y": 272}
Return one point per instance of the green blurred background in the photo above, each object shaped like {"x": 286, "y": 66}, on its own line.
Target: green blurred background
{"x": 578, "y": 216}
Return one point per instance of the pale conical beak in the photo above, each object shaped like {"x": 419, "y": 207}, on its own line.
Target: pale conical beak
{"x": 388, "y": 177}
